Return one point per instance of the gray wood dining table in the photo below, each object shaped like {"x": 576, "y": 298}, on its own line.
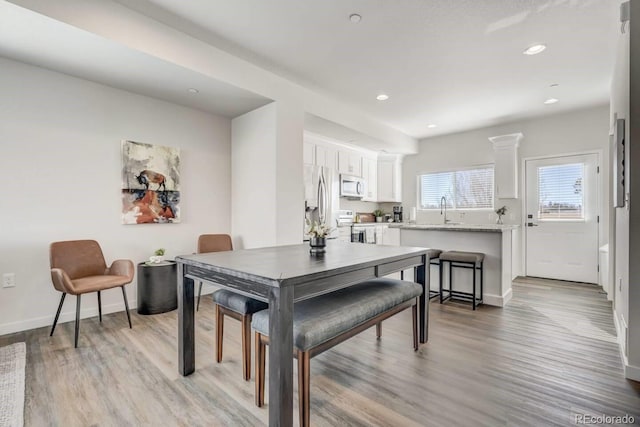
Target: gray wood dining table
{"x": 282, "y": 275}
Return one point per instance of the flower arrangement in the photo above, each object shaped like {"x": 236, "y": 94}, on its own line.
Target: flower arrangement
{"x": 317, "y": 229}
{"x": 501, "y": 212}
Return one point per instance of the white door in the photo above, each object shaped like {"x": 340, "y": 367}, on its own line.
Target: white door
{"x": 562, "y": 218}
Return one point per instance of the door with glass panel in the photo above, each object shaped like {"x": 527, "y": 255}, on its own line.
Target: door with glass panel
{"x": 562, "y": 218}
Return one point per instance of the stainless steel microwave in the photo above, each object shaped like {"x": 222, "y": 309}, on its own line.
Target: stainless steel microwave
{"x": 352, "y": 186}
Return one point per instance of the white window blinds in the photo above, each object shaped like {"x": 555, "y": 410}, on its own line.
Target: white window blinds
{"x": 463, "y": 189}
{"x": 560, "y": 194}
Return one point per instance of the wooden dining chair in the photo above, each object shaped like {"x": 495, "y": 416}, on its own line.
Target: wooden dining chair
{"x": 78, "y": 267}
{"x": 229, "y": 303}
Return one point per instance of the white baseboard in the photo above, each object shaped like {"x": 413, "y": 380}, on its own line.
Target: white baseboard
{"x": 632, "y": 372}
{"x": 65, "y": 316}
{"x": 497, "y": 300}
{"x": 70, "y": 316}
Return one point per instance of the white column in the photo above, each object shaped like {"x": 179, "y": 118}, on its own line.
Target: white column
{"x": 266, "y": 176}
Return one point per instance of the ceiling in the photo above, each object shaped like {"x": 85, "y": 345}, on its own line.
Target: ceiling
{"x": 35, "y": 39}
{"x": 454, "y": 63}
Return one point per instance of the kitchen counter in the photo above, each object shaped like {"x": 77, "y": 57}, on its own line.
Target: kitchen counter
{"x": 499, "y": 242}
{"x": 492, "y": 228}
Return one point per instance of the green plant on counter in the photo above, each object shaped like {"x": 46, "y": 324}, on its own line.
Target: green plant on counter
{"x": 378, "y": 213}
{"x": 159, "y": 252}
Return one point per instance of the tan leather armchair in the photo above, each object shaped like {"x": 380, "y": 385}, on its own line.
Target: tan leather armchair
{"x": 78, "y": 267}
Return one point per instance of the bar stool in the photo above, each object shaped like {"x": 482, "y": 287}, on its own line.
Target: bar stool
{"x": 459, "y": 259}
{"x": 432, "y": 254}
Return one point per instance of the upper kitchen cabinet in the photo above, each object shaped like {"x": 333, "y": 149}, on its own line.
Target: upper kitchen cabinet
{"x": 370, "y": 175}
{"x": 308, "y": 153}
{"x": 505, "y": 148}
{"x": 326, "y": 156}
{"x": 389, "y": 178}
{"x": 349, "y": 162}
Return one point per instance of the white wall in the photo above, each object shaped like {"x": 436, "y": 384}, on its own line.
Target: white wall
{"x": 632, "y": 370}
{"x": 253, "y": 171}
{"x": 620, "y": 109}
{"x": 267, "y": 190}
{"x": 625, "y": 103}
{"x": 60, "y": 162}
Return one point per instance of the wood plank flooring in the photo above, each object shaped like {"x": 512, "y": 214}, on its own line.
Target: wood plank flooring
{"x": 550, "y": 354}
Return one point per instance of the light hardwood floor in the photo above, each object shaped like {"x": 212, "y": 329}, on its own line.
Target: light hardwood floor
{"x": 550, "y": 354}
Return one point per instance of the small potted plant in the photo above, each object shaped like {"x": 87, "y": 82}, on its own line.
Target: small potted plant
{"x": 379, "y": 214}
{"x": 317, "y": 232}
{"x": 500, "y": 212}
{"x": 158, "y": 257}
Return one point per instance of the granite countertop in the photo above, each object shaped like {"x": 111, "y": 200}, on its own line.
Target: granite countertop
{"x": 494, "y": 228}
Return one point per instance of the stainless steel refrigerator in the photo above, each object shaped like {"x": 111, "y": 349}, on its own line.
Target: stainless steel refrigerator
{"x": 321, "y": 197}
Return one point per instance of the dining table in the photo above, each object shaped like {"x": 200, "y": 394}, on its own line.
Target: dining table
{"x": 281, "y": 276}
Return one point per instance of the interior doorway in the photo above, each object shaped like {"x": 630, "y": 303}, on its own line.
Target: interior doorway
{"x": 561, "y": 228}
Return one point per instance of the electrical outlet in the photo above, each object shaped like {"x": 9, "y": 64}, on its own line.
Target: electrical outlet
{"x": 8, "y": 280}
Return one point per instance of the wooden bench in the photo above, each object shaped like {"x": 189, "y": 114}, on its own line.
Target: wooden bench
{"x": 325, "y": 321}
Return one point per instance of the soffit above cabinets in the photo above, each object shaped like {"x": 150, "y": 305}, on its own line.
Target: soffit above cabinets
{"x": 38, "y": 40}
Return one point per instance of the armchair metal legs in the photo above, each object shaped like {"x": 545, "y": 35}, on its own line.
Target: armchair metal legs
{"x": 77, "y": 319}
{"x": 78, "y": 300}
{"x": 55, "y": 321}
{"x": 100, "y": 306}
{"x": 126, "y": 306}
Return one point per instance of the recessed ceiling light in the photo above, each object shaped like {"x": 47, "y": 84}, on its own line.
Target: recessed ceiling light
{"x": 355, "y": 18}
{"x": 193, "y": 90}
{"x": 382, "y": 97}
{"x": 551, "y": 101}
{"x": 431, "y": 126}
{"x": 535, "y": 49}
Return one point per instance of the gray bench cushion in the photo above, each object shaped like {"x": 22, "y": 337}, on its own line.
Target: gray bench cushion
{"x": 457, "y": 256}
{"x": 238, "y": 303}
{"x": 319, "y": 319}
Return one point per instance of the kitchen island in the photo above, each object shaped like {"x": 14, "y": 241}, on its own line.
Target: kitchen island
{"x": 500, "y": 244}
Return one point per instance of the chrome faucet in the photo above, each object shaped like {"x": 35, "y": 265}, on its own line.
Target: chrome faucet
{"x": 443, "y": 208}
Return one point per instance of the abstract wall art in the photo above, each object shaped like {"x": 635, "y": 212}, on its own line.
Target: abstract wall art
{"x": 150, "y": 184}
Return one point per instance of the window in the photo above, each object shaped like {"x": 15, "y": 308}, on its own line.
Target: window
{"x": 463, "y": 189}
{"x": 560, "y": 194}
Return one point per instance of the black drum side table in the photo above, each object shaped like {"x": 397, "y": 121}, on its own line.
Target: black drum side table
{"x": 157, "y": 287}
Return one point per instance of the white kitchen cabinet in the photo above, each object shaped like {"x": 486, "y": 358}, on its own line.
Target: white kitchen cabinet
{"x": 326, "y": 156}
{"x": 505, "y": 150}
{"x": 349, "y": 162}
{"x": 308, "y": 153}
{"x": 370, "y": 174}
{"x": 389, "y": 179}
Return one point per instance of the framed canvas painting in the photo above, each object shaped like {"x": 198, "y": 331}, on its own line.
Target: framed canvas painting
{"x": 150, "y": 184}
